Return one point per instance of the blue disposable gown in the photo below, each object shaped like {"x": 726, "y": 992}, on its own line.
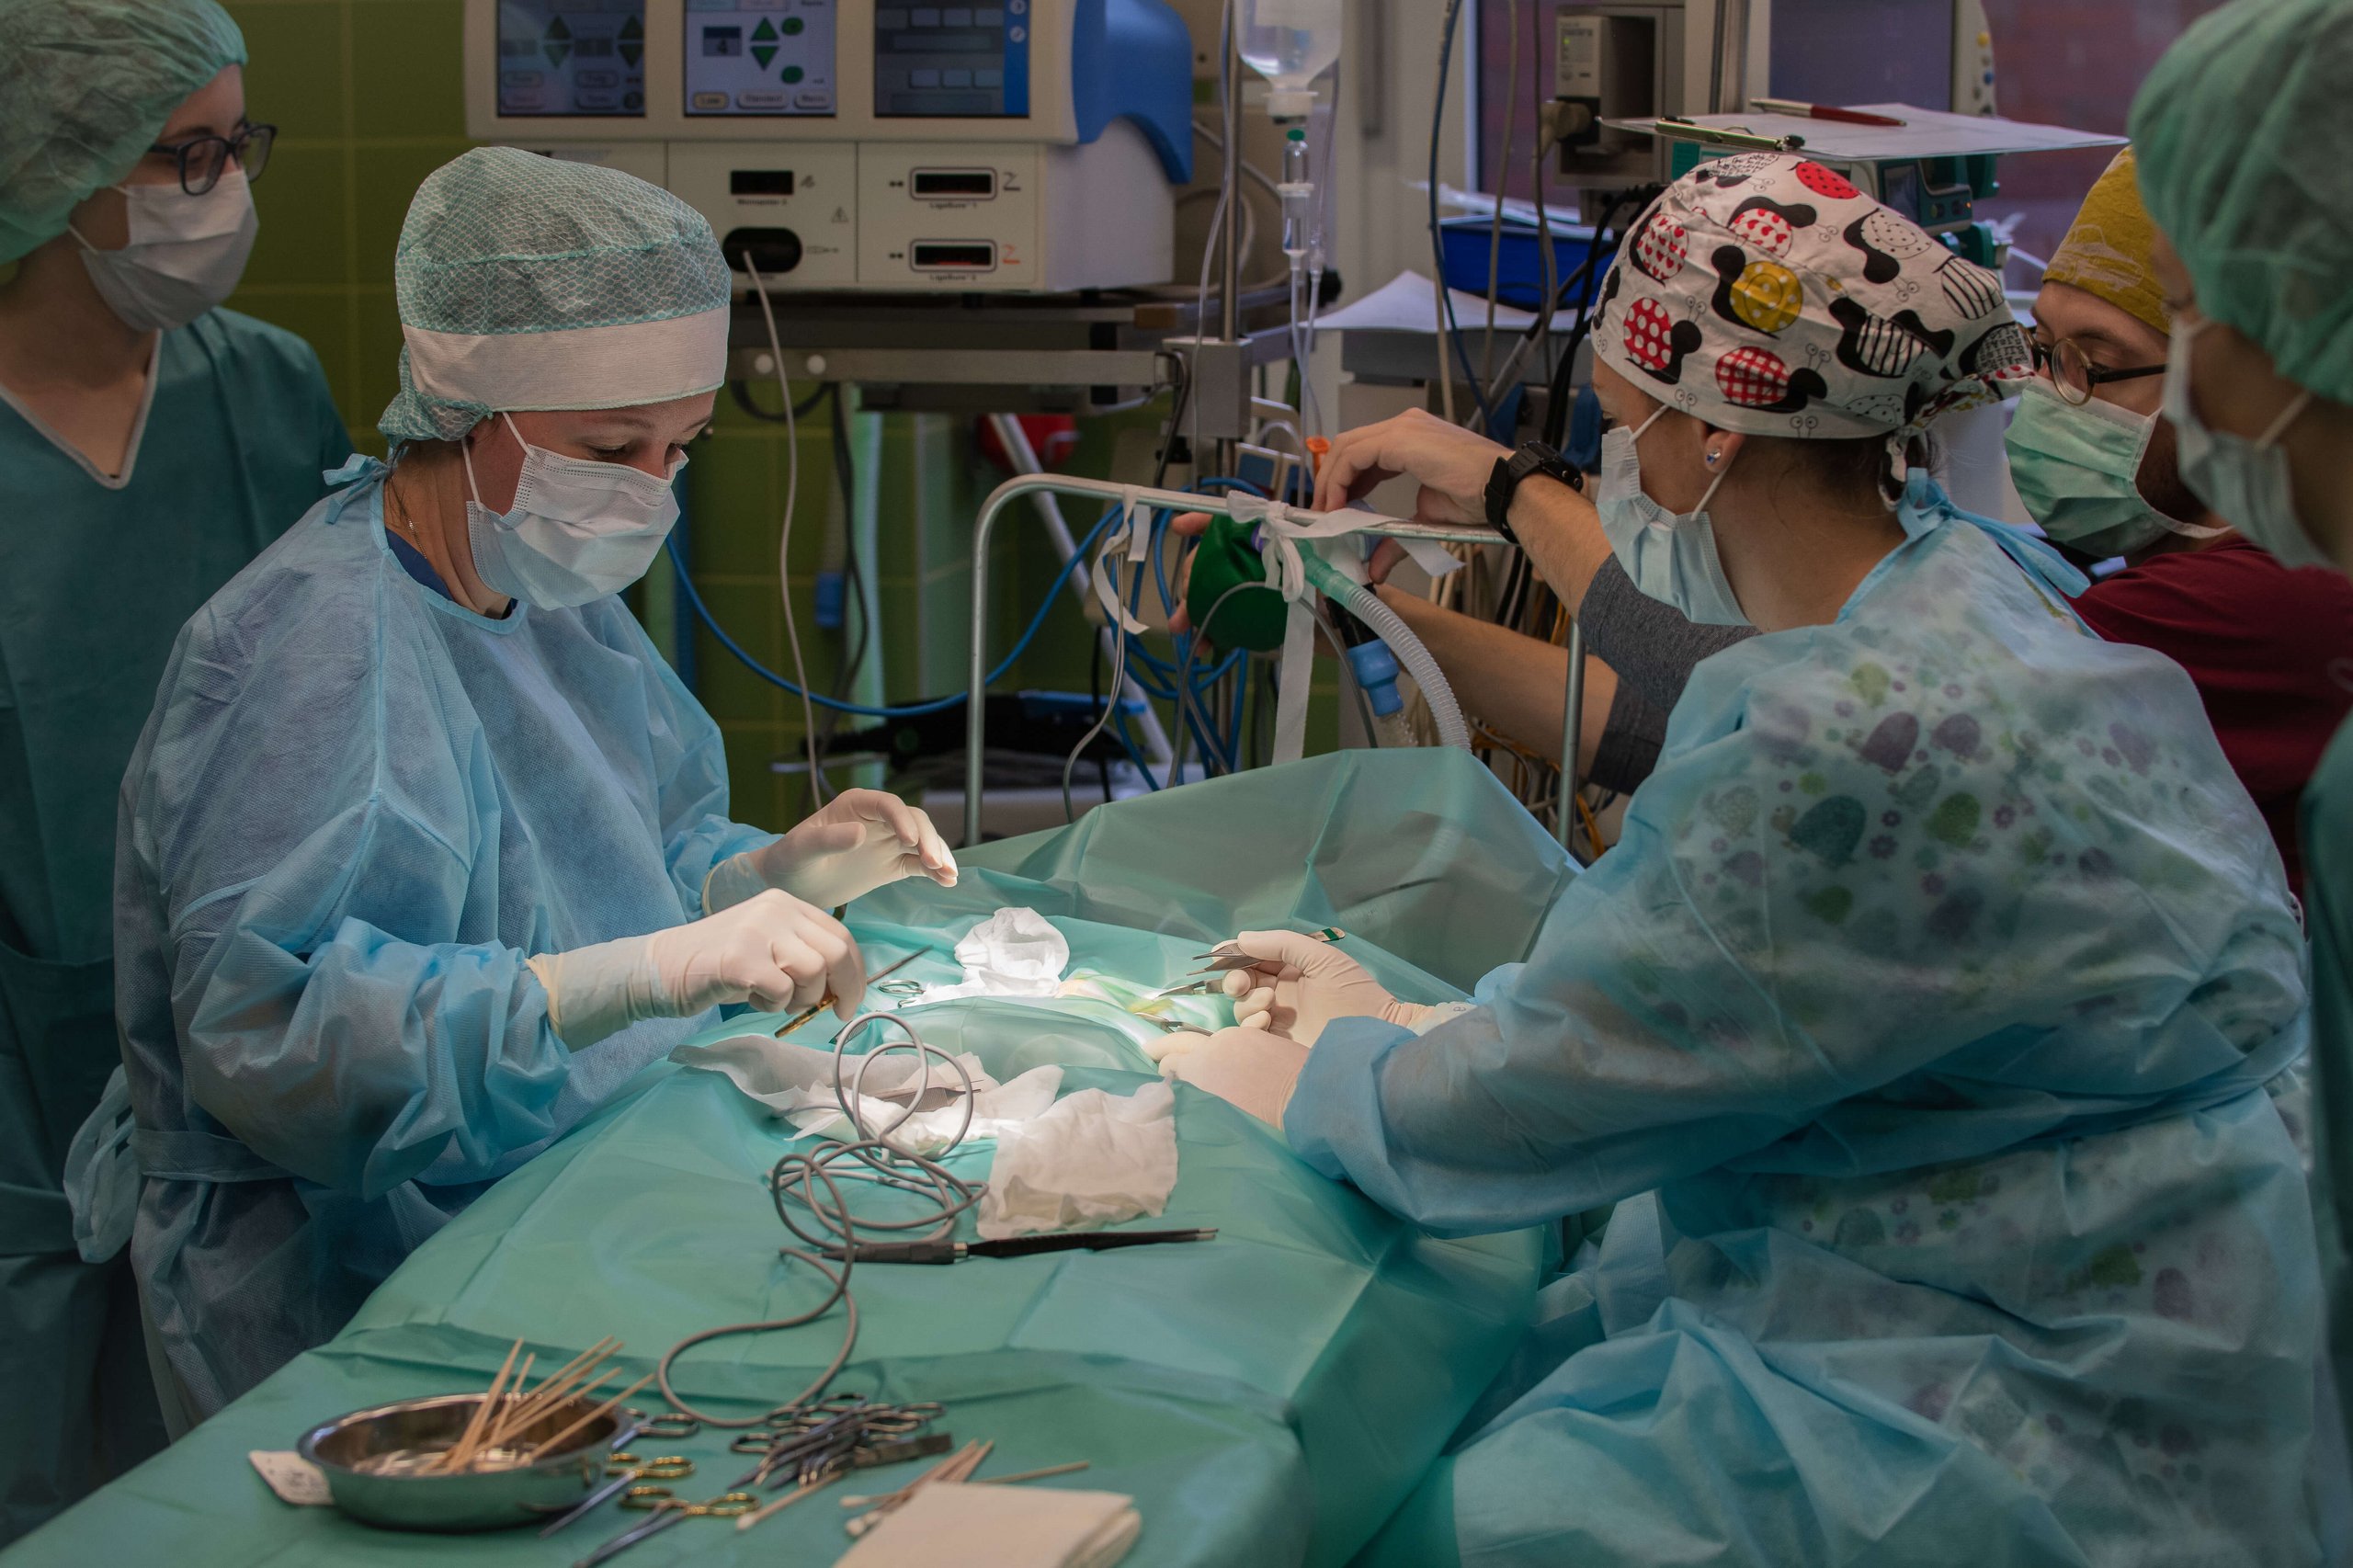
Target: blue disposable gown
{"x": 97, "y": 573}
{"x": 2327, "y": 838}
{"x": 356, "y": 809}
{"x": 1928, "y": 1003}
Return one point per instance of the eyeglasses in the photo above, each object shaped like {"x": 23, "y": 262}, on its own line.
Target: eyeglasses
{"x": 2074, "y": 373}
{"x": 203, "y": 159}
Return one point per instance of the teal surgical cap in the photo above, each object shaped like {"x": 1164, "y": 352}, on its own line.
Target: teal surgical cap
{"x": 85, "y": 86}
{"x": 2240, "y": 133}
{"x": 527, "y": 283}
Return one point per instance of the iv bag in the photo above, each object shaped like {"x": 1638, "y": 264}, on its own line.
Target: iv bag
{"x": 1291, "y": 42}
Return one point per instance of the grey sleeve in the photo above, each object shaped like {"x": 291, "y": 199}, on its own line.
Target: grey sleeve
{"x": 1650, "y": 644}
{"x": 1629, "y": 742}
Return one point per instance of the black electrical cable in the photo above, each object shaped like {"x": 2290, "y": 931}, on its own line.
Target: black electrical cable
{"x": 1557, "y": 404}
{"x": 1437, "y": 238}
{"x": 742, "y": 392}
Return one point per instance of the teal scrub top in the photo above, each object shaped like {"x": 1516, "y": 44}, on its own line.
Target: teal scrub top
{"x": 98, "y": 572}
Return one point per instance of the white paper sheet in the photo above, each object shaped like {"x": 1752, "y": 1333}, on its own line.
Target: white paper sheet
{"x": 1925, "y": 133}
{"x": 1407, "y": 302}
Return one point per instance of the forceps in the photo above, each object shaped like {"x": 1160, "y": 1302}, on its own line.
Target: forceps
{"x": 822, "y": 1003}
{"x": 668, "y": 1510}
{"x": 627, "y": 1469}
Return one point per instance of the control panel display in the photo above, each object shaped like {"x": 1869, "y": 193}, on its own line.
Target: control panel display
{"x": 760, "y": 57}
{"x": 955, "y": 61}
{"x": 570, "y": 57}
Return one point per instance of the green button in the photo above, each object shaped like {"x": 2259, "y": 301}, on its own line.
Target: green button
{"x": 763, "y": 52}
{"x": 793, "y": 73}
{"x": 793, "y": 25}
{"x": 764, "y": 31}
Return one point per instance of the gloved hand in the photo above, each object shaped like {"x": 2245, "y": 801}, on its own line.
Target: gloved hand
{"x": 1300, "y": 985}
{"x": 1248, "y": 1068}
{"x": 860, "y": 840}
{"x": 771, "y": 950}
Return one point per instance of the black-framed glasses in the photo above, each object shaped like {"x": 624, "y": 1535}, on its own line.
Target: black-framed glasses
{"x": 2071, "y": 372}
{"x": 203, "y": 159}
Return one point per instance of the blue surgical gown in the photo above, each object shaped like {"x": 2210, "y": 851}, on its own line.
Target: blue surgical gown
{"x": 356, "y": 810}
{"x": 97, "y": 573}
{"x": 1925, "y": 1011}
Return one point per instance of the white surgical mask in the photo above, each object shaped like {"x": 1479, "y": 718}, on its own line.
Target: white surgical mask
{"x": 1672, "y": 559}
{"x": 2247, "y": 482}
{"x": 578, "y": 530}
{"x": 185, "y": 252}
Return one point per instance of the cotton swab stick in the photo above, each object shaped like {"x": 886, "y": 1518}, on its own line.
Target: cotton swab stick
{"x": 461, "y": 1452}
{"x": 561, "y": 1386}
{"x": 538, "y": 1453}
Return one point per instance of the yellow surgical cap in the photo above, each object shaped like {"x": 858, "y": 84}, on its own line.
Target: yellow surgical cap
{"x": 2108, "y": 248}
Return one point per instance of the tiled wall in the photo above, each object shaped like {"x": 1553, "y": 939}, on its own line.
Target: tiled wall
{"x": 366, "y": 97}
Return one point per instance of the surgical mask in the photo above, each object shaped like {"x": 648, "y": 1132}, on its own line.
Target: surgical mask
{"x": 578, "y": 529}
{"x": 184, "y": 256}
{"x": 1671, "y": 559}
{"x": 2077, "y": 468}
{"x": 2246, "y": 481}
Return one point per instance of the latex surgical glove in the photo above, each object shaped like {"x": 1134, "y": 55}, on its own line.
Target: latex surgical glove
{"x": 1248, "y": 1068}
{"x": 861, "y": 840}
{"x": 771, "y": 950}
{"x": 1299, "y": 985}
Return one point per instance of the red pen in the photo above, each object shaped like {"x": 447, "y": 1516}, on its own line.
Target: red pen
{"x": 1820, "y": 111}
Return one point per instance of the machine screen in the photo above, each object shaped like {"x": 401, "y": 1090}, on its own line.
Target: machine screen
{"x": 961, "y": 61}
{"x": 1864, "y": 51}
{"x": 570, "y": 57}
{"x": 761, "y": 56}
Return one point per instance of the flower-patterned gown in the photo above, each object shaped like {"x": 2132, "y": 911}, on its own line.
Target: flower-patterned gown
{"x": 1928, "y": 1005}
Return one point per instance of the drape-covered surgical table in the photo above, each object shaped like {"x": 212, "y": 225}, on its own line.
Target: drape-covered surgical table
{"x": 1265, "y": 1398}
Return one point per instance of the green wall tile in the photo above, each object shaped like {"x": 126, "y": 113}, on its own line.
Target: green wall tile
{"x": 408, "y": 68}
{"x": 300, "y": 200}
{"x": 376, "y": 375}
{"x": 294, "y": 69}
{"x": 388, "y": 176}
{"x": 319, "y": 317}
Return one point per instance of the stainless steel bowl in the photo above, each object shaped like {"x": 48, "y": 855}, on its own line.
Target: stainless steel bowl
{"x": 488, "y": 1500}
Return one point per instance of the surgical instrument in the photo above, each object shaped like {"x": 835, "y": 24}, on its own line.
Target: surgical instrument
{"x": 668, "y": 1510}
{"x": 1022, "y": 1246}
{"x": 826, "y": 1001}
{"x": 626, "y": 1469}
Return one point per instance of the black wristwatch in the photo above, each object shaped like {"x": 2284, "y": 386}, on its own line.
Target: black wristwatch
{"x": 1533, "y": 457}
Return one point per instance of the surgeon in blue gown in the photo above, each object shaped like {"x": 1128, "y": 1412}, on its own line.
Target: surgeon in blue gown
{"x": 425, "y": 849}
{"x": 151, "y": 444}
{"x": 1933, "y": 1025}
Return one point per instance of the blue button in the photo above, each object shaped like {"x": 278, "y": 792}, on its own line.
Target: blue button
{"x": 956, "y": 17}
{"x": 1015, "y": 34}
{"x": 988, "y": 78}
{"x": 923, "y": 78}
{"x": 955, "y": 78}
{"x": 1989, "y": 78}
{"x": 925, "y": 16}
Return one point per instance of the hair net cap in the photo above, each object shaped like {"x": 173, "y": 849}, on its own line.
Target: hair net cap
{"x": 2110, "y": 248}
{"x": 85, "y": 86}
{"x": 2242, "y": 133}
{"x": 1764, "y": 293}
{"x": 527, "y": 283}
